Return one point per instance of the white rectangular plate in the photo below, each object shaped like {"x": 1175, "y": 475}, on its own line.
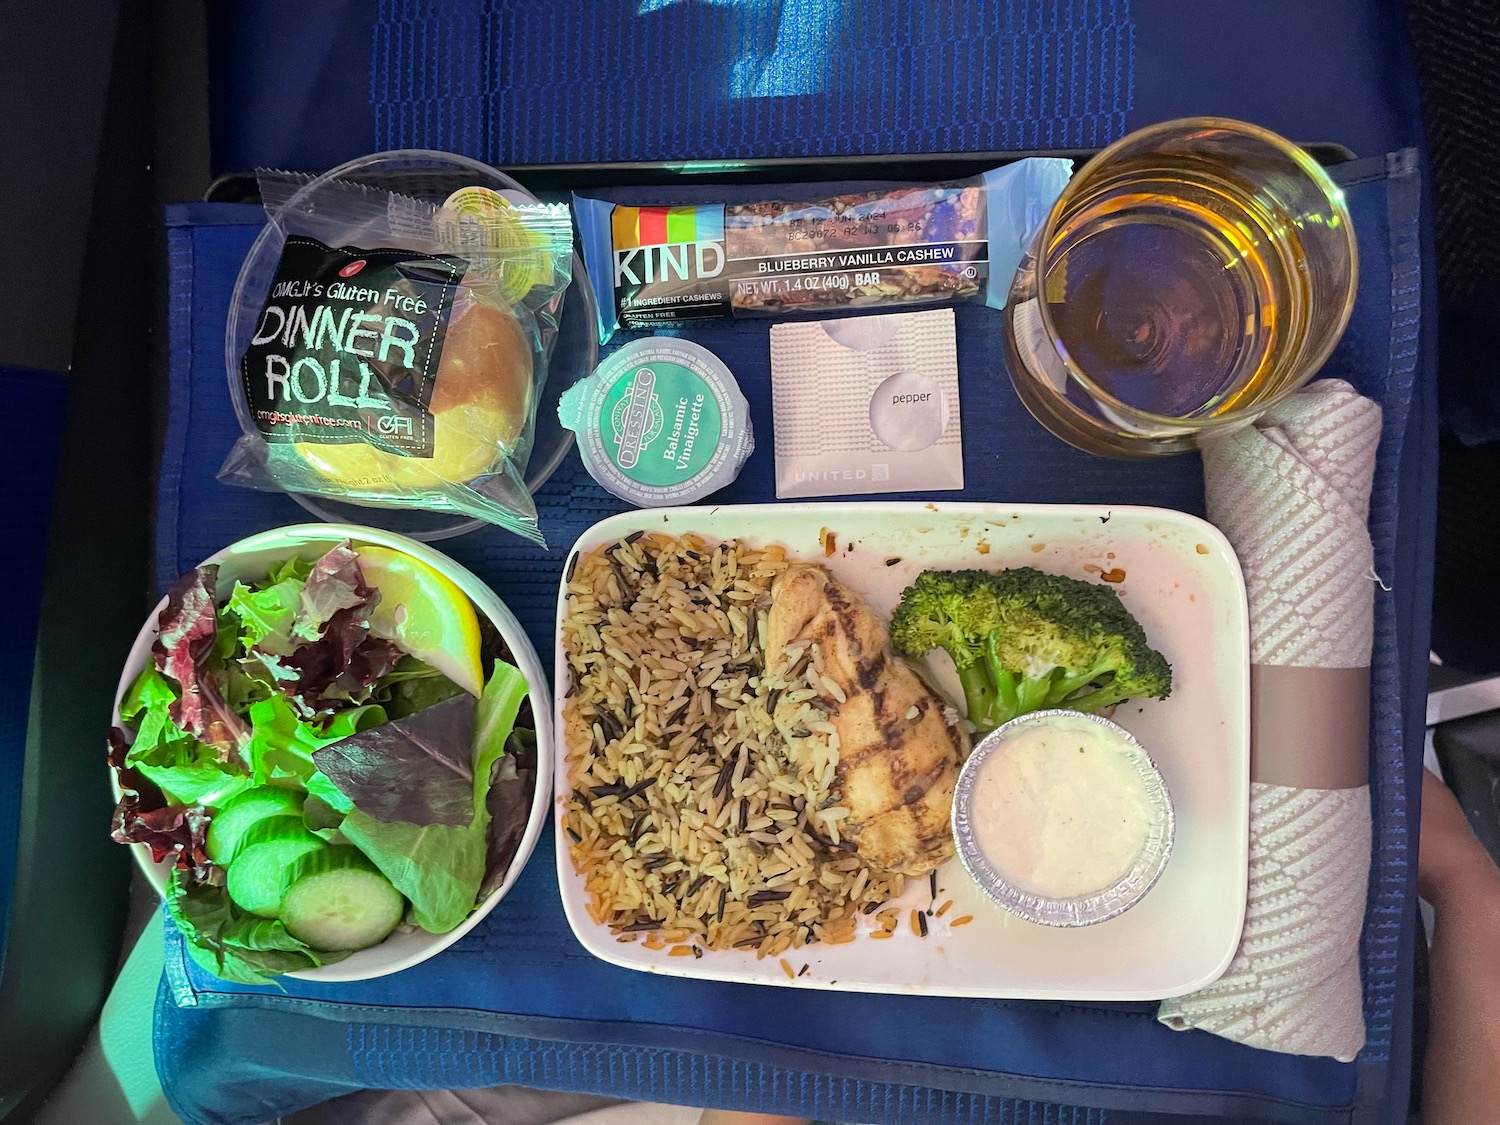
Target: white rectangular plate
{"x": 1180, "y": 578}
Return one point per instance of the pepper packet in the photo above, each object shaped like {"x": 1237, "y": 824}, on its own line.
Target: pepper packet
{"x": 866, "y": 404}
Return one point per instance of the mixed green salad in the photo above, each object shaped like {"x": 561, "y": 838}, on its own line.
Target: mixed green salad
{"x": 322, "y": 757}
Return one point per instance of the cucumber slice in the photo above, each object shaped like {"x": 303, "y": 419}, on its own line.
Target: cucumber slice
{"x": 337, "y": 900}
{"x": 227, "y": 829}
{"x": 258, "y": 874}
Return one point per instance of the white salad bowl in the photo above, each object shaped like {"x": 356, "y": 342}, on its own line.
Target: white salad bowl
{"x": 251, "y": 559}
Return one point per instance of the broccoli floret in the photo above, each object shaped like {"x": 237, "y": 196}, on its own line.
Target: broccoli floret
{"x": 1023, "y": 640}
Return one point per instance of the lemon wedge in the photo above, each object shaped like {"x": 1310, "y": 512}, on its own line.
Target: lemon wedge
{"x": 423, "y": 613}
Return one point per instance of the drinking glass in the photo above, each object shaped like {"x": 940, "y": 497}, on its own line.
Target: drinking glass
{"x": 1190, "y": 276}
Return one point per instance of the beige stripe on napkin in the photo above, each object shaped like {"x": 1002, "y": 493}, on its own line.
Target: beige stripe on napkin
{"x": 1293, "y": 709}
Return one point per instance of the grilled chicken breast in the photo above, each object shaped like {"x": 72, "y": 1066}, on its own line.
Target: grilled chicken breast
{"x": 898, "y": 754}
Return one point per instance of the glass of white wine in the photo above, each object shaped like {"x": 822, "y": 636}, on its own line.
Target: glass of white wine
{"x": 1190, "y": 276}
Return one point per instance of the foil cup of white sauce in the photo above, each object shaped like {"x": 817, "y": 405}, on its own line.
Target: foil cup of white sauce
{"x": 1021, "y": 882}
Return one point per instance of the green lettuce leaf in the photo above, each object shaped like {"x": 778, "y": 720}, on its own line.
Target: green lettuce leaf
{"x": 245, "y": 682}
{"x": 412, "y": 686}
{"x": 323, "y": 820}
{"x": 436, "y": 866}
{"x": 226, "y": 643}
{"x": 266, "y": 617}
{"x": 192, "y": 775}
{"x": 440, "y": 867}
{"x": 267, "y": 612}
{"x": 189, "y": 772}
{"x": 231, "y": 944}
{"x": 151, "y": 692}
{"x": 148, "y": 704}
{"x": 294, "y": 568}
{"x": 281, "y": 745}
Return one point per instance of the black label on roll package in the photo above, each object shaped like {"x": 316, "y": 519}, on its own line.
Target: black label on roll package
{"x": 347, "y": 346}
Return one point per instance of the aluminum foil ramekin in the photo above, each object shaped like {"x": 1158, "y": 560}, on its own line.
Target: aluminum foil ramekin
{"x": 1083, "y": 910}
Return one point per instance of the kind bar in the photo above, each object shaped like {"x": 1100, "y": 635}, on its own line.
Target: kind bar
{"x": 660, "y": 265}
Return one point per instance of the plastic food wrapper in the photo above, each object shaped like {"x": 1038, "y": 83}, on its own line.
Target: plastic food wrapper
{"x": 652, "y": 267}
{"x": 398, "y": 352}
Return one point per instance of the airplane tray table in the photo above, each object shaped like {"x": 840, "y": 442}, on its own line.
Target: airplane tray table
{"x": 699, "y": 87}
{"x": 519, "y": 1001}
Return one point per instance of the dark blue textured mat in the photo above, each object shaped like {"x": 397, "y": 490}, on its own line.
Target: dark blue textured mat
{"x": 519, "y": 1001}
{"x": 308, "y": 86}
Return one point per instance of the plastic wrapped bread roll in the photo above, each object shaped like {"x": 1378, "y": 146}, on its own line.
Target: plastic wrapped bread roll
{"x": 399, "y": 348}
{"x": 481, "y": 399}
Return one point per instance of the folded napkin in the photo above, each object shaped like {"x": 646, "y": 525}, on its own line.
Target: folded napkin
{"x": 1293, "y": 496}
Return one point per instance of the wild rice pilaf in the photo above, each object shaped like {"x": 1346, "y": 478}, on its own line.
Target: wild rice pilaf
{"x": 687, "y": 815}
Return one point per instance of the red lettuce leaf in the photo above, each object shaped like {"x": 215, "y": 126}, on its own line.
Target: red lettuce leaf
{"x": 336, "y": 583}
{"x": 337, "y": 669}
{"x": 417, "y": 770}
{"x": 187, "y": 630}
{"x": 188, "y": 626}
{"x": 143, "y": 816}
{"x": 509, "y": 803}
{"x": 175, "y": 834}
{"x": 119, "y": 748}
{"x": 335, "y": 661}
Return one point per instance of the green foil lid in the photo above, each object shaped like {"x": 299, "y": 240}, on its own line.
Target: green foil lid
{"x": 661, "y": 421}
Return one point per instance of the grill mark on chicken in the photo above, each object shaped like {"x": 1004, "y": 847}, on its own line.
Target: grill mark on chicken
{"x": 867, "y": 671}
{"x": 903, "y": 776}
{"x": 898, "y": 756}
